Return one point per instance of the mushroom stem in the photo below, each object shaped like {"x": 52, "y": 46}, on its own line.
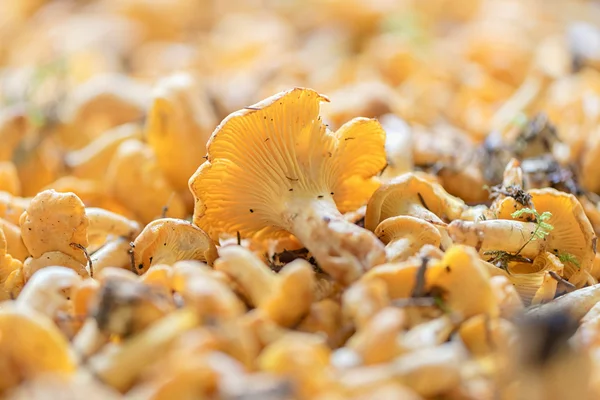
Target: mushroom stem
{"x": 344, "y": 250}
{"x": 103, "y": 222}
{"x": 399, "y": 249}
{"x": 506, "y": 235}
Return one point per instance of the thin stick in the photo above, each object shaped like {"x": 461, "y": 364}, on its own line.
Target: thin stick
{"x": 87, "y": 256}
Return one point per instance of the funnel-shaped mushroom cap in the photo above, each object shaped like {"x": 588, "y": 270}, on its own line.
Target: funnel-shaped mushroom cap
{"x": 30, "y": 345}
{"x": 52, "y": 222}
{"x": 404, "y": 236}
{"x": 179, "y": 125}
{"x": 274, "y": 169}
{"x": 167, "y": 240}
{"x": 135, "y": 180}
{"x": 288, "y": 154}
{"x": 573, "y": 235}
{"x": 411, "y": 194}
{"x": 533, "y": 281}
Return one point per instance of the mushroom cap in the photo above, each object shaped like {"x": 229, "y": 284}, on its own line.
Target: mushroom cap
{"x": 179, "y": 124}
{"x": 463, "y": 277}
{"x": 167, "y": 240}
{"x": 277, "y": 151}
{"x": 532, "y": 280}
{"x": 573, "y": 233}
{"x": 135, "y": 180}
{"x": 53, "y": 221}
{"x": 91, "y": 161}
{"x": 418, "y": 230}
{"x": 398, "y": 196}
{"x": 31, "y": 345}
{"x": 51, "y": 259}
{"x": 91, "y": 192}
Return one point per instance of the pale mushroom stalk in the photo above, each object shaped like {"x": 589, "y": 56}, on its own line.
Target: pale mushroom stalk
{"x": 506, "y": 235}
{"x": 103, "y": 222}
{"x": 316, "y": 222}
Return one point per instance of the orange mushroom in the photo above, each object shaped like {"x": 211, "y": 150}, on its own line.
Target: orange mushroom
{"x": 296, "y": 177}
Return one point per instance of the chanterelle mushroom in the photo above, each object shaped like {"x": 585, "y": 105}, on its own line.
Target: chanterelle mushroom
{"x": 167, "y": 240}
{"x": 52, "y": 222}
{"x": 571, "y": 238}
{"x": 274, "y": 168}
{"x": 404, "y": 236}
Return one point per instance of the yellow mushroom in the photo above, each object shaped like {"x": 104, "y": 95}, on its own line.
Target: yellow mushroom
{"x": 325, "y": 318}
{"x": 302, "y": 358}
{"x": 201, "y": 289}
{"x": 101, "y": 103}
{"x": 429, "y": 372}
{"x": 411, "y": 194}
{"x": 7, "y": 266}
{"x": 399, "y": 278}
{"x": 167, "y": 240}
{"x": 11, "y": 207}
{"x": 14, "y": 244}
{"x": 120, "y": 367}
{"x": 378, "y": 341}
{"x": 91, "y": 161}
{"x": 483, "y": 335}
{"x": 54, "y": 258}
{"x": 510, "y": 197}
{"x": 285, "y": 296}
{"x": 534, "y": 281}
{"x": 364, "y": 299}
{"x": 404, "y": 236}
{"x": 296, "y": 177}
{"x": 52, "y": 222}
{"x": 103, "y": 223}
{"x": 508, "y": 299}
{"x": 31, "y": 343}
{"x": 115, "y": 253}
{"x": 135, "y": 180}
{"x": 180, "y": 122}
{"x": 572, "y": 237}
{"x": 91, "y": 192}
{"x": 461, "y": 277}
{"x": 9, "y": 179}
{"x": 46, "y": 291}
{"x": 13, "y": 127}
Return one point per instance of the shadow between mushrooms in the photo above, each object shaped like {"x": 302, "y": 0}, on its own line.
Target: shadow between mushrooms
{"x": 274, "y": 168}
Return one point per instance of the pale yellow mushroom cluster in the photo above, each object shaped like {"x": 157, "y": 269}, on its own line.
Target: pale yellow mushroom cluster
{"x": 281, "y": 200}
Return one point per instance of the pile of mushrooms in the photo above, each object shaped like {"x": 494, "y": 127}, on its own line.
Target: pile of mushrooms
{"x": 400, "y": 201}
